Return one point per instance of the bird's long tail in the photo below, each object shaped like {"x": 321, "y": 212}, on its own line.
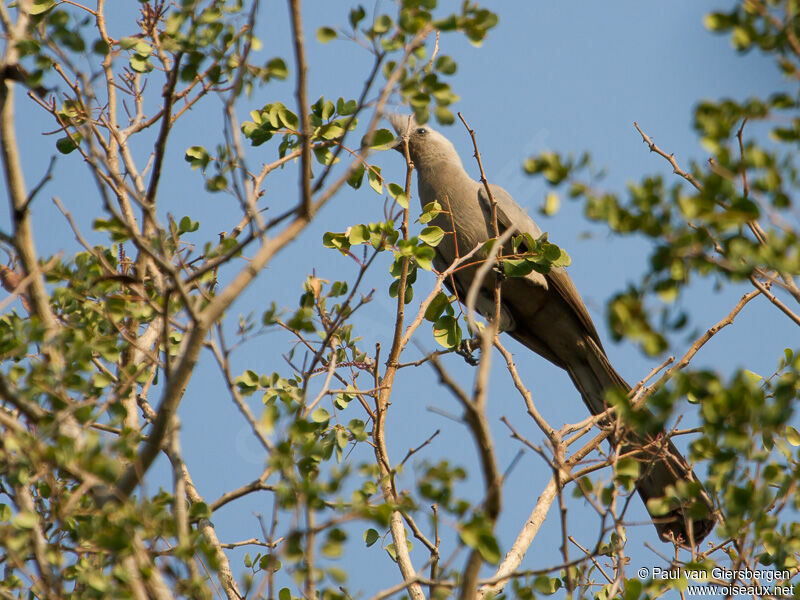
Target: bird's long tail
{"x": 662, "y": 465}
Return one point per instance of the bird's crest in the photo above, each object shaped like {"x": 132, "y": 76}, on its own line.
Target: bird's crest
{"x": 400, "y": 123}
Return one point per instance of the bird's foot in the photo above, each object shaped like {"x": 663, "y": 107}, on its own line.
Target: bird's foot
{"x": 499, "y": 270}
{"x": 467, "y": 348}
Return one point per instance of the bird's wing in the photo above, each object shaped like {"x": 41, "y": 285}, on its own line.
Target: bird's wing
{"x": 509, "y": 214}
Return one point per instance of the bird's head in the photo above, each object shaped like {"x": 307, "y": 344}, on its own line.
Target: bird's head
{"x": 426, "y": 146}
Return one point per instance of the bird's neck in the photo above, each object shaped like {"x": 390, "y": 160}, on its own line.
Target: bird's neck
{"x": 441, "y": 166}
{"x": 441, "y": 180}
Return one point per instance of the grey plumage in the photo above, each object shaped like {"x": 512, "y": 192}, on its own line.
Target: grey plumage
{"x": 543, "y": 312}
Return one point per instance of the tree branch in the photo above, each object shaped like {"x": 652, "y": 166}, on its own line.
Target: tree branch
{"x": 302, "y": 109}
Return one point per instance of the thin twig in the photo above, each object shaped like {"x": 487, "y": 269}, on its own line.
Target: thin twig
{"x": 772, "y": 298}
{"x": 695, "y": 348}
{"x": 670, "y": 158}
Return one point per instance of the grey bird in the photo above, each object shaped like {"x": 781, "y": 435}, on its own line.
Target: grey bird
{"x": 543, "y": 312}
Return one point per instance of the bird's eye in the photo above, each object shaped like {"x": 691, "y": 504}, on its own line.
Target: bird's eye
{"x": 422, "y": 131}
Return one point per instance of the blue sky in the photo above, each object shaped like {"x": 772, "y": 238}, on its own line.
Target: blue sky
{"x": 566, "y": 76}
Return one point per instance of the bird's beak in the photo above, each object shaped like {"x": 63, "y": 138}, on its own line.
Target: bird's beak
{"x": 401, "y": 125}
{"x": 398, "y": 144}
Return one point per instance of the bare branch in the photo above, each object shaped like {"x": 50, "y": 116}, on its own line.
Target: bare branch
{"x": 772, "y": 298}
{"x": 639, "y": 399}
{"x": 190, "y": 351}
{"x": 754, "y": 226}
{"x": 519, "y": 548}
{"x": 670, "y": 158}
{"x": 254, "y": 486}
{"x": 15, "y": 180}
{"x": 302, "y": 109}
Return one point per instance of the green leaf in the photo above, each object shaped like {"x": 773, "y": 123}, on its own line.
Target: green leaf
{"x": 324, "y": 155}
{"x": 97, "y": 582}
{"x": 346, "y": 108}
{"x": 741, "y": 37}
{"x": 356, "y": 15}
{"x": 432, "y": 235}
{"x": 489, "y": 548}
{"x": 563, "y": 260}
{"x": 430, "y": 211}
{"x": 358, "y": 234}
{"x": 552, "y": 202}
{"x": 633, "y": 589}
{"x": 141, "y": 64}
{"x": 668, "y": 293}
{"x": 374, "y": 177}
{"x": 546, "y": 585}
{"x": 753, "y": 377}
{"x": 659, "y": 506}
{"x": 326, "y": 34}
{"x": 270, "y": 316}
{"x": 5, "y": 513}
{"x": 269, "y": 562}
{"x": 187, "y": 225}
{"x": 277, "y": 68}
{"x": 320, "y": 415}
{"x": 792, "y": 436}
{"x": 444, "y": 115}
{"x": 288, "y": 118}
{"x": 447, "y": 332}
{"x": 25, "y": 520}
{"x": 437, "y": 306}
{"x": 788, "y": 355}
{"x": 354, "y": 181}
{"x": 247, "y": 379}
{"x": 328, "y": 109}
{"x": 143, "y": 49}
{"x": 333, "y": 546}
{"x": 478, "y": 535}
{"x": 199, "y": 510}
{"x": 394, "y": 290}
{"x": 338, "y": 241}
{"x": 342, "y": 400}
{"x": 382, "y": 24}
{"x": 419, "y": 100}
{"x": 65, "y": 145}
{"x": 396, "y": 192}
{"x": 382, "y": 137}
{"x": 716, "y": 21}
{"x": 101, "y": 380}
{"x": 626, "y": 471}
{"x": 370, "y": 537}
{"x": 358, "y": 428}
{"x": 285, "y": 594}
{"x": 424, "y": 256}
{"x": 41, "y": 6}
{"x": 393, "y": 553}
{"x": 446, "y": 65}
{"x": 331, "y": 131}
{"x": 100, "y": 47}
{"x": 217, "y": 184}
{"x": 114, "y": 226}
{"x": 517, "y": 267}
{"x": 197, "y": 156}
